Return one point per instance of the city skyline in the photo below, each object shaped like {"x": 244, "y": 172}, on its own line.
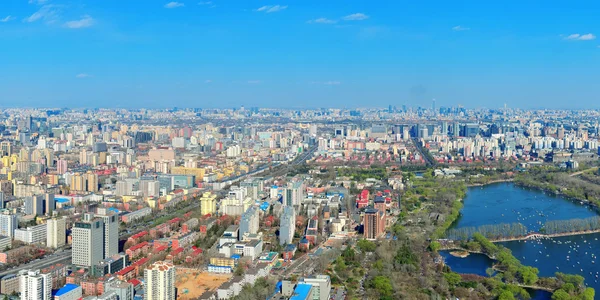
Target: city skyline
{"x": 297, "y": 54}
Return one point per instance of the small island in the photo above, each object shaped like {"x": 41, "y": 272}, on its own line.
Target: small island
{"x": 458, "y": 253}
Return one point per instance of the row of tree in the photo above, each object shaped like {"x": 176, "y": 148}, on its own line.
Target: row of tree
{"x": 495, "y": 231}
{"x": 573, "y": 225}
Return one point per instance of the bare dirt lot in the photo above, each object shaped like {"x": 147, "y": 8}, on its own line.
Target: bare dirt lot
{"x": 192, "y": 283}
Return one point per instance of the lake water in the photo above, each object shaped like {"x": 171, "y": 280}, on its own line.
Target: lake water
{"x": 507, "y": 203}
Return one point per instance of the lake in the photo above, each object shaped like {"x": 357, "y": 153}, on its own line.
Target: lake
{"x": 507, "y": 203}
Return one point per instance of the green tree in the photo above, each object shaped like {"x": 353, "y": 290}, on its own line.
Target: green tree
{"x": 506, "y": 295}
{"x": 383, "y": 285}
{"x": 452, "y": 278}
{"x": 561, "y": 295}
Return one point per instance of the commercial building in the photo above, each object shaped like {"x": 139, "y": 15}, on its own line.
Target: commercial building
{"x": 159, "y": 281}
{"x": 88, "y": 241}
{"x": 111, "y": 231}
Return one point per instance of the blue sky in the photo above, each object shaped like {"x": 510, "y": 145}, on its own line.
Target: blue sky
{"x": 299, "y": 54}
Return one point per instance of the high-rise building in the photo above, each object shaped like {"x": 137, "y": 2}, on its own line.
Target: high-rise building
{"x": 61, "y": 166}
{"x": 88, "y": 241}
{"x": 50, "y": 203}
{"x": 374, "y": 223}
{"x": 159, "y": 281}
{"x": 56, "y": 232}
{"x": 287, "y": 225}
{"x": 35, "y": 285}
{"x": 249, "y": 222}
{"x": 208, "y": 203}
{"x": 111, "y": 231}
{"x": 8, "y": 224}
{"x": 34, "y": 205}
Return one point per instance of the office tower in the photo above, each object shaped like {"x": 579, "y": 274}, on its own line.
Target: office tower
{"x": 88, "y": 241}
{"x": 249, "y": 222}
{"x": 374, "y": 223}
{"x": 287, "y": 225}
{"x": 159, "y": 281}
{"x": 321, "y": 284}
{"x": 35, "y": 285}
{"x": 111, "y": 231}
{"x": 150, "y": 188}
{"x": 8, "y": 224}
{"x": 56, "y": 232}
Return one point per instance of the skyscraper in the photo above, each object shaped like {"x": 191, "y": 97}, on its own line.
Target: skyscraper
{"x": 56, "y": 232}
{"x": 111, "y": 231}
{"x": 159, "y": 281}
{"x": 35, "y": 285}
{"x": 88, "y": 241}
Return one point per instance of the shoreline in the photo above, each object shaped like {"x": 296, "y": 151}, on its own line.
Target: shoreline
{"x": 491, "y": 182}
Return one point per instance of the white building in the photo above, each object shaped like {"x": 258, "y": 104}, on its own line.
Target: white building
{"x": 88, "y": 241}
{"x": 31, "y": 235}
{"x": 159, "y": 281}
{"x": 56, "y": 232}
{"x": 8, "y": 224}
{"x": 35, "y": 286}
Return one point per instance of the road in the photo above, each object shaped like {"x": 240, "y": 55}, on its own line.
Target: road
{"x": 581, "y": 172}
{"x": 425, "y": 156}
{"x": 64, "y": 257}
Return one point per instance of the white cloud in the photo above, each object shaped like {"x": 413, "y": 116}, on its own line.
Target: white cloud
{"x": 460, "y": 28}
{"x": 48, "y": 13}
{"x": 85, "y": 21}
{"x": 356, "y": 17}
{"x": 205, "y": 3}
{"x": 322, "y": 21}
{"x": 254, "y": 81}
{"x": 272, "y": 8}
{"x": 207, "y": 81}
{"x": 174, "y": 4}
{"x": 38, "y": 2}
{"x": 83, "y": 75}
{"x": 580, "y": 37}
{"x": 7, "y": 19}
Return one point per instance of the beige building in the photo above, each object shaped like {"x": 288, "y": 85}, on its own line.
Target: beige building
{"x": 159, "y": 281}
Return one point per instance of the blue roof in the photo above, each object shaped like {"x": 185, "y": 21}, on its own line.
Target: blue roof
{"x": 301, "y": 291}
{"x": 65, "y": 289}
{"x": 113, "y": 209}
{"x": 290, "y": 247}
{"x": 236, "y": 256}
{"x": 61, "y": 200}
